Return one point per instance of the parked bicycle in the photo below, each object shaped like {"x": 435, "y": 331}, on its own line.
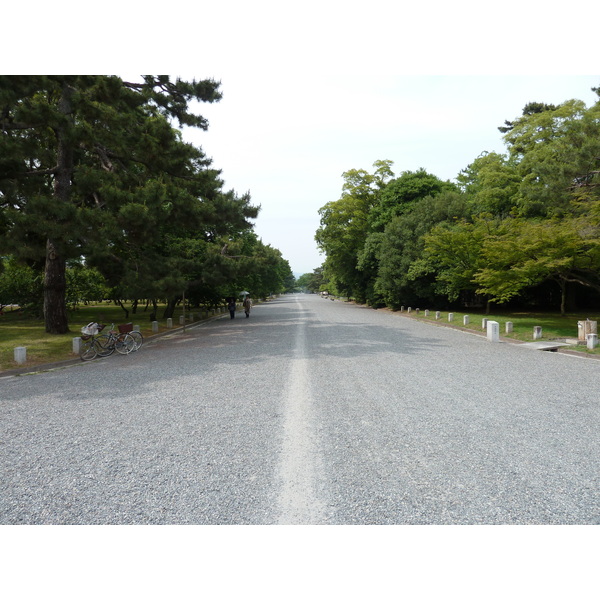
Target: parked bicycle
{"x": 136, "y": 335}
{"x": 104, "y": 345}
{"x": 89, "y": 344}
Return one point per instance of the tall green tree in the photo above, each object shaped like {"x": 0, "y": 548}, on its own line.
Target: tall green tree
{"x": 528, "y": 252}
{"x": 557, "y": 157}
{"x": 403, "y": 244}
{"x": 89, "y": 165}
{"x": 491, "y": 183}
{"x": 344, "y": 227}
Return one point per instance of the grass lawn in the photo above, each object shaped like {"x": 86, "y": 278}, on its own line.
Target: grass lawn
{"x": 553, "y": 325}
{"x": 21, "y": 330}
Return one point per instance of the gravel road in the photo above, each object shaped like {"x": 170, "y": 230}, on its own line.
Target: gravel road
{"x": 308, "y": 412}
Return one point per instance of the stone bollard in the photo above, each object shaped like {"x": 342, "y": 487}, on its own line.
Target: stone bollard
{"x": 509, "y": 327}
{"x": 136, "y": 328}
{"x": 20, "y": 355}
{"x": 465, "y": 319}
{"x": 493, "y": 331}
{"x": 537, "y": 332}
{"x": 408, "y": 310}
{"x": 154, "y": 326}
{"x": 181, "y": 319}
{"x": 438, "y": 315}
{"x": 586, "y": 327}
{"x": 402, "y": 309}
{"x": 191, "y": 317}
{"x": 76, "y": 345}
{"x": 592, "y": 341}
{"x": 450, "y": 317}
{"x": 416, "y": 310}
{"x": 169, "y": 323}
{"x": 426, "y": 312}
{"x": 484, "y": 324}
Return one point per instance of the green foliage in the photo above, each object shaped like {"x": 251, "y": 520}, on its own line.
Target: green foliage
{"x": 403, "y": 244}
{"x": 85, "y": 285}
{"x": 91, "y": 168}
{"x": 512, "y": 224}
{"x": 491, "y": 183}
{"x": 399, "y": 194}
{"x": 21, "y": 285}
{"x": 344, "y": 228}
{"x": 311, "y": 282}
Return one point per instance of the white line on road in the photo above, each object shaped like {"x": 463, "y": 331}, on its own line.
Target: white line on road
{"x": 298, "y": 501}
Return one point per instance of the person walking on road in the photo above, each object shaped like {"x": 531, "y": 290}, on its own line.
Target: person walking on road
{"x": 247, "y": 306}
{"x": 231, "y": 307}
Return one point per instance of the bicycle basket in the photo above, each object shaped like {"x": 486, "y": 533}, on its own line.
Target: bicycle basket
{"x": 91, "y": 329}
{"x": 125, "y": 328}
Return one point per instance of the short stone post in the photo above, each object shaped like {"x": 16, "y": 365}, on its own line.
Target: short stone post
{"x": 20, "y": 355}
{"x": 417, "y": 310}
{"x": 402, "y": 309}
{"x": 537, "y": 332}
{"x": 191, "y": 317}
{"x": 408, "y": 310}
{"x": 181, "y": 319}
{"x": 154, "y": 326}
{"x": 586, "y": 327}
{"x": 509, "y": 327}
{"x": 493, "y": 331}
{"x": 438, "y": 315}
{"x": 169, "y": 323}
{"x": 426, "y": 312}
{"x": 136, "y": 328}
{"x": 450, "y": 317}
{"x": 465, "y": 319}
{"x": 76, "y": 345}
{"x": 592, "y": 340}
{"x": 484, "y": 324}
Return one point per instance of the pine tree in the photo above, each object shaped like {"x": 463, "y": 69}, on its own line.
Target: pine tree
{"x": 91, "y": 166}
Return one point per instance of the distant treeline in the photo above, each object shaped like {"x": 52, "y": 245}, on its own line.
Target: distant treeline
{"x": 521, "y": 228}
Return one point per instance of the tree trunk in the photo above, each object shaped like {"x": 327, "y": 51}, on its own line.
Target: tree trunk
{"x": 55, "y": 286}
{"x": 55, "y": 280}
{"x": 170, "y": 308}
{"x": 154, "y": 310}
{"x": 120, "y": 303}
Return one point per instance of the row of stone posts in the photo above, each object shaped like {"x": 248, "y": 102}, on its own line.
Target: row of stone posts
{"x": 587, "y": 330}
{"x": 20, "y": 353}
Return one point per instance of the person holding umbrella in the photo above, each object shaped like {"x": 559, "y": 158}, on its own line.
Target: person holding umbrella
{"x": 247, "y": 304}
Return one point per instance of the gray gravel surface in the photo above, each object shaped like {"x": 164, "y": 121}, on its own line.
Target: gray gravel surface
{"x": 311, "y": 411}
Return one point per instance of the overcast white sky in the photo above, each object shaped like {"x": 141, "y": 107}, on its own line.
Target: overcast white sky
{"x": 316, "y": 88}
{"x": 289, "y": 149}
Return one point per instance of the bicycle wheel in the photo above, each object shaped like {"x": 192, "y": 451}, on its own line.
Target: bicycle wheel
{"x": 124, "y": 344}
{"x": 88, "y": 349}
{"x": 105, "y": 345}
{"x": 138, "y": 338}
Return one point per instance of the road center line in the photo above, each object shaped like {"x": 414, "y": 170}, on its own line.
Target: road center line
{"x": 298, "y": 501}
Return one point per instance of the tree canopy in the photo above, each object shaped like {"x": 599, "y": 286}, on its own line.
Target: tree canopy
{"x": 94, "y": 169}
{"x": 510, "y": 224}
